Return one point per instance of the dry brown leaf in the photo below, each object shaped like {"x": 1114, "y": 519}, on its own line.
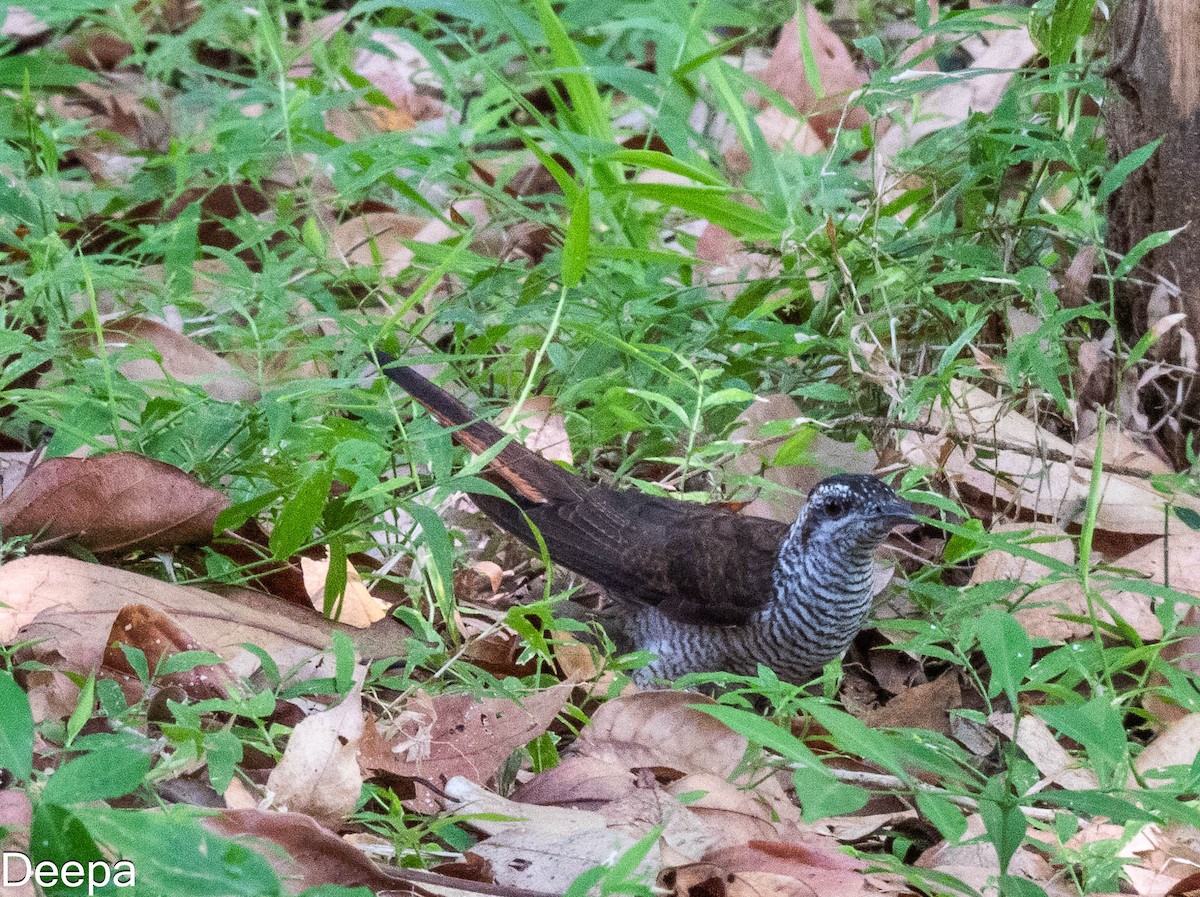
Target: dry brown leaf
{"x": 318, "y": 773}
{"x": 158, "y": 636}
{"x": 729, "y": 263}
{"x": 14, "y": 468}
{"x": 357, "y": 608}
{"x": 439, "y": 737}
{"x": 21, "y": 23}
{"x": 924, "y": 706}
{"x": 1166, "y": 860}
{"x": 312, "y": 855}
{"x": 644, "y": 730}
{"x": 181, "y": 358}
{"x": 777, "y": 869}
{"x": 16, "y": 815}
{"x": 540, "y": 429}
{"x": 1044, "y": 751}
{"x": 1078, "y": 277}
{"x": 72, "y": 605}
{"x": 978, "y": 89}
{"x": 1175, "y": 746}
{"x": 539, "y": 848}
{"x": 117, "y": 502}
{"x": 1018, "y": 476}
{"x": 375, "y": 237}
{"x": 973, "y": 861}
{"x": 828, "y": 112}
{"x": 780, "y": 131}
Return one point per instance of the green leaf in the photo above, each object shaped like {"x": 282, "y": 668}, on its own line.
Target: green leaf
{"x": 575, "y": 244}
{"x": 222, "y": 753}
{"x": 1008, "y": 650}
{"x": 822, "y": 795}
{"x": 174, "y": 855}
{"x": 83, "y": 709}
{"x": 300, "y": 514}
{"x": 644, "y": 158}
{"x": 1118, "y": 173}
{"x": 1144, "y": 245}
{"x": 947, "y": 818}
{"x": 343, "y": 654}
{"x": 1188, "y": 516}
{"x": 794, "y": 450}
{"x": 99, "y": 775}
{"x": 1097, "y": 725}
{"x": 715, "y": 204}
{"x": 16, "y": 734}
{"x": 186, "y": 660}
{"x": 57, "y": 836}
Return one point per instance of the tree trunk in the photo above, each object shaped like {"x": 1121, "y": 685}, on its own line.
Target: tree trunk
{"x": 1154, "y": 73}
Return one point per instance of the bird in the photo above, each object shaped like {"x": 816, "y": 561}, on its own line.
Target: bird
{"x": 700, "y": 588}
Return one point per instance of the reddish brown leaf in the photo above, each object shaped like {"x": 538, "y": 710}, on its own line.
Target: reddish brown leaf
{"x": 117, "y": 502}
{"x": 158, "y": 637}
{"x": 436, "y": 738}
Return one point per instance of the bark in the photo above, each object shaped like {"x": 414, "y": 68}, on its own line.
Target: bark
{"x": 1154, "y": 73}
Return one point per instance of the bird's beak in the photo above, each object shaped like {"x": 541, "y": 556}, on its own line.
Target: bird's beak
{"x": 896, "y": 513}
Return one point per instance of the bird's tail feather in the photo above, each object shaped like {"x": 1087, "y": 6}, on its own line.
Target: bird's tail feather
{"x": 528, "y": 475}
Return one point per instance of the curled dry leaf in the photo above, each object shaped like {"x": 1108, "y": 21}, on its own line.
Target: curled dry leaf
{"x": 439, "y": 737}
{"x": 71, "y": 605}
{"x": 318, "y": 773}
{"x": 181, "y": 358}
{"x": 117, "y": 502}
{"x": 358, "y": 607}
{"x": 311, "y": 855}
{"x": 158, "y": 637}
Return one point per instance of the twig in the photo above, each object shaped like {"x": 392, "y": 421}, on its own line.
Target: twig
{"x": 883, "y": 782}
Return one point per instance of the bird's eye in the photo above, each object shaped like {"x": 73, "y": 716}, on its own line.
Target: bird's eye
{"x": 835, "y": 508}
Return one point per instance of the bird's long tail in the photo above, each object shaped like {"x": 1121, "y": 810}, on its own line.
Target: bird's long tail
{"x": 523, "y": 473}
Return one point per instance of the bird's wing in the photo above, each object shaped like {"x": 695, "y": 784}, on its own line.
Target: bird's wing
{"x": 695, "y": 563}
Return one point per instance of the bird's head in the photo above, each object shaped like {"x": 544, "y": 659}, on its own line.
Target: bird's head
{"x": 851, "y": 510}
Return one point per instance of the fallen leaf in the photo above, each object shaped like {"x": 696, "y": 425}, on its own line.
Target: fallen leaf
{"x": 1044, "y": 751}
{"x": 439, "y": 737}
{"x": 72, "y": 606}
{"x": 838, "y": 75}
{"x": 357, "y": 608}
{"x": 1024, "y": 473}
{"x": 538, "y": 848}
{"x": 116, "y": 502}
{"x": 318, "y": 773}
{"x": 158, "y": 637}
{"x": 760, "y": 868}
